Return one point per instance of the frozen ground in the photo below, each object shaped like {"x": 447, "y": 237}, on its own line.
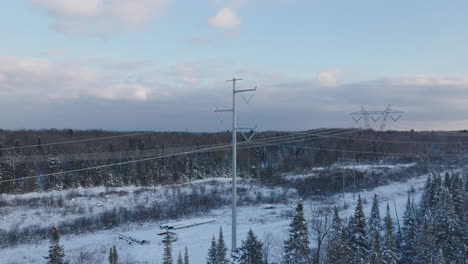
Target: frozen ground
{"x": 356, "y": 167}
{"x": 268, "y": 224}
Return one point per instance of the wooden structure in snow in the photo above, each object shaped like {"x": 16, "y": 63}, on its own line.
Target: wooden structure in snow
{"x": 187, "y": 223}
{"x": 131, "y": 240}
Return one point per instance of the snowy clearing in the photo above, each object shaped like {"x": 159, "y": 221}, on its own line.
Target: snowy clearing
{"x": 270, "y": 223}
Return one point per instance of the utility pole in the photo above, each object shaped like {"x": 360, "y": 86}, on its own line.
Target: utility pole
{"x": 234, "y": 157}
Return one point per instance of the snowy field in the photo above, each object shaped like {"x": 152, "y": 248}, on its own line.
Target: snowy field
{"x": 270, "y": 224}
{"x": 356, "y": 167}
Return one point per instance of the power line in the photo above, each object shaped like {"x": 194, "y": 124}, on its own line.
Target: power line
{"x": 223, "y": 148}
{"x": 204, "y": 150}
{"x": 78, "y": 140}
{"x": 142, "y": 153}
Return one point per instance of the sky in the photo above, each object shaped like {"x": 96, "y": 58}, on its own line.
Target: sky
{"x": 135, "y": 65}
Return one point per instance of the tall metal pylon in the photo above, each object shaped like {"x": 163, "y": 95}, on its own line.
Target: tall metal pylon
{"x": 376, "y": 116}
{"x": 234, "y": 156}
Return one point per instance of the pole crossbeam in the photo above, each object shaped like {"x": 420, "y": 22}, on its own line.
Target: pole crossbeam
{"x": 234, "y": 155}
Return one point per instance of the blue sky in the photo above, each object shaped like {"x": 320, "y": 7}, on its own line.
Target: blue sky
{"x": 314, "y": 62}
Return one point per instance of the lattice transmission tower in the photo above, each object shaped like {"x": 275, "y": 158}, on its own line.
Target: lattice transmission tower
{"x": 379, "y": 118}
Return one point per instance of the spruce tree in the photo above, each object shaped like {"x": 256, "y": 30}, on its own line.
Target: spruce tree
{"x": 167, "y": 257}
{"x": 251, "y": 251}
{"x": 408, "y": 233}
{"x": 186, "y": 256}
{"x": 296, "y": 247}
{"x": 113, "y": 256}
{"x": 180, "y": 260}
{"x": 375, "y": 222}
{"x": 344, "y": 255}
{"x": 425, "y": 242}
{"x": 56, "y": 251}
{"x": 334, "y": 241}
{"x": 389, "y": 251}
{"x": 212, "y": 253}
{"x": 221, "y": 249}
{"x": 359, "y": 239}
{"x": 376, "y": 249}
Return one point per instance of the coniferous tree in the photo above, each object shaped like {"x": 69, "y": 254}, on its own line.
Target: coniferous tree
{"x": 113, "y": 256}
{"x": 221, "y": 249}
{"x": 186, "y": 256}
{"x": 425, "y": 242}
{"x": 251, "y": 251}
{"x": 376, "y": 249}
{"x": 333, "y": 245}
{"x": 389, "y": 250}
{"x": 344, "y": 252}
{"x": 167, "y": 257}
{"x": 375, "y": 222}
{"x": 408, "y": 234}
{"x": 296, "y": 247}
{"x": 56, "y": 251}
{"x": 212, "y": 253}
{"x": 180, "y": 260}
{"x": 359, "y": 238}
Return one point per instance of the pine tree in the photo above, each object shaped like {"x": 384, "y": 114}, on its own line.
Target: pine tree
{"x": 359, "y": 238}
{"x": 186, "y": 256}
{"x": 221, "y": 249}
{"x": 389, "y": 251}
{"x": 212, "y": 253}
{"x": 179, "y": 259}
{"x": 56, "y": 252}
{"x": 167, "y": 257}
{"x": 113, "y": 257}
{"x": 296, "y": 247}
{"x": 251, "y": 251}
{"x": 408, "y": 233}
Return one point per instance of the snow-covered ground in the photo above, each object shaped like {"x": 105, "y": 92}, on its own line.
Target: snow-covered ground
{"x": 270, "y": 224}
{"x": 356, "y": 167}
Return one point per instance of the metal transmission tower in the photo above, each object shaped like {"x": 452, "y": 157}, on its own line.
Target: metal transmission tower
{"x": 376, "y": 116}
{"x": 234, "y": 154}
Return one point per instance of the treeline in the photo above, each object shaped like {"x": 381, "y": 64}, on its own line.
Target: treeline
{"x": 17, "y": 162}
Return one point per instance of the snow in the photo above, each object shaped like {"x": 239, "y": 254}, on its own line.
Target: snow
{"x": 357, "y": 167}
{"x": 267, "y": 222}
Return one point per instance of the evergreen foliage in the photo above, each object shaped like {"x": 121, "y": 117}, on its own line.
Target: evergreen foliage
{"x": 113, "y": 256}
{"x": 408, "y": 234}
{"x": 212, "y": 253}
{"x": 56, "y": 251}
{"x": 221, "y": 249}
{"x": 180, "y": 260}
{"x": 167, "y": 256}
{"x": 389, "y": 250}
{"x": 359, "y": 238}
{"x": 296, "y": 247}
{"x": 186, "y": 256}
{"x": 251, "y": 251}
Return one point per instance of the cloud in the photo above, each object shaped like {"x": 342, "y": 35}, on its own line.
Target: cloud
{"x": 184, "y": 94}
{"x": 329, "y": 78}
{"x": 37, "y": 79}
{"x": 226, "y": 19}
{"x": 100, "y": 16}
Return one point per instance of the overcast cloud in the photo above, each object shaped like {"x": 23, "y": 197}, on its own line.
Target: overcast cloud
{"x": 46, "y": 93}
